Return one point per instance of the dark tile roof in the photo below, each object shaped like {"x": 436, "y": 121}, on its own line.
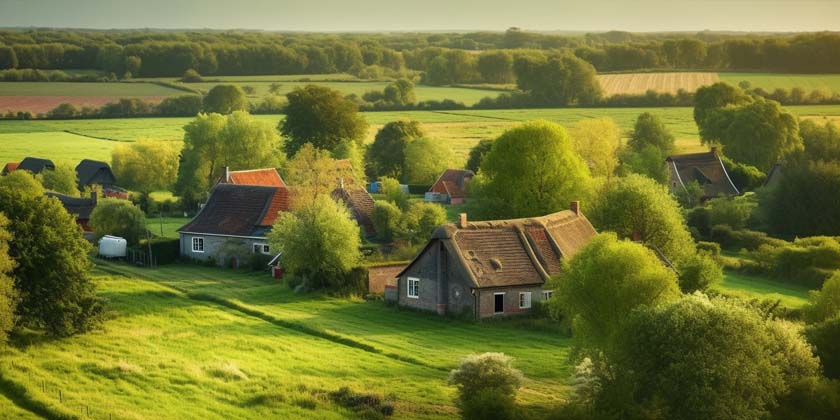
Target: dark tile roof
{"x": 80, "y": 207}
{"x": 36, "y": 165}
{"x": 90, "y": 172}
{"x": 705, "y": 168}
{"x": 266, "y": 177}
{"x": 452, "y": 182}
{"x": 239, "y": 210}
{"x": 515, "y": 252}
{"x": 360, "y": 204}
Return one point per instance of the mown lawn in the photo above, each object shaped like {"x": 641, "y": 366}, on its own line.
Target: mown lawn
{"x": 757, "y": 287}
{"x": 197, "y": 342}
{"x": 165, "y": 227}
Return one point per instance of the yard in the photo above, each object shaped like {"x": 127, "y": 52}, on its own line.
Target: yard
{"x": 757, "y": 287}
{"x": 236, "y": 344}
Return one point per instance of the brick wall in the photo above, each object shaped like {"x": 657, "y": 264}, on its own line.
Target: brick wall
{"x": 380, "y": 276}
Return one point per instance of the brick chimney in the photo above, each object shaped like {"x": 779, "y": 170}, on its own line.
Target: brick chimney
{"x": 462, "y": 220}
{"x": 575, "y": 207}
{"x": 227, "y": 174}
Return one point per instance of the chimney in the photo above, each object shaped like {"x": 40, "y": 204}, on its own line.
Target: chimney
{"x": 227, "y": 174}
{"x": 340, "y": 182}
{"x": 575, "y": 207}
{"x": 462, "y": 220}
{"x": 93, "y": 197}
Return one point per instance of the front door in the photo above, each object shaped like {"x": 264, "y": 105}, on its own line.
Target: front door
{"x": 498, "y": 303}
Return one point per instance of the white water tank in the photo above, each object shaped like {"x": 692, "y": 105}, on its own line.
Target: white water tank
{"x": 112, "y": 246}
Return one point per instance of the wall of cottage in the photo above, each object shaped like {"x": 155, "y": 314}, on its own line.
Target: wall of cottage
{"x": 487, "y": 300}
{"x": 222, "y": 249}
{"x": 425, "y": 269}
{"x": 453, "y": 296}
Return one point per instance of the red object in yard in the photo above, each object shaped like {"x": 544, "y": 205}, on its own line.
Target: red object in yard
{"x": 277, "y": 272}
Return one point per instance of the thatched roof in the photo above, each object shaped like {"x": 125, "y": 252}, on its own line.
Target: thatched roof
{"x": 705, "y": 168}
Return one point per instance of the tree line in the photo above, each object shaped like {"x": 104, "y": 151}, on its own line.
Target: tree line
{"x": 445, "y": 58}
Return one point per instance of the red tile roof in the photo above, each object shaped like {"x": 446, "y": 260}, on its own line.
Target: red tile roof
{"x": 11, "y": 166}
{"x": 266, "y": 177}
{"x": 239, "y": 210}
{"x": 452, "y": 182}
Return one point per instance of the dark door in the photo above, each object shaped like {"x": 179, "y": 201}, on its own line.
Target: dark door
{"x": 499, "y": 303}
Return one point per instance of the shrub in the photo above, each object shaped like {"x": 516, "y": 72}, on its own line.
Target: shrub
{"x": 165, "y": 250}
{"x": 191, "y": 76}
{"x": 711, "y": 248}
{"x": 825, "y": 336}
{"x": 731, "y": 239}
{"x": 732, "y": 212}
{"x": 119, "y": 218}
{"x": 386, "y": 218}
{"x": 699, "y": 272}
{"x": 487, "y": 386}
{"x": 825, "y": 303}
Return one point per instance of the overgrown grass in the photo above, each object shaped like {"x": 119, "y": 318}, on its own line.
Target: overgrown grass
{"x": 196, "y": 342}
{"x": 757, "y": 287}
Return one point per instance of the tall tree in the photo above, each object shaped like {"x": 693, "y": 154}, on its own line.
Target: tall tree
{"x": 425, "y": 160}
{"x": 61, "y": 180}
{"x": 386, "y": 155}
{"x": 313, "y": 172}
{"x": 320, "y": 116}
{"x": 496, "y": 67}
{"x": 531, "y": 170}
{"x": 560, "y": 81}
{"x": 121, "y": 218}
{"x": 597, "y": 142}
{"x": 52, "y": 272}
{"x": 146, "y": 165}
{"x": 649, "y": 130}
{"x": 8, "y": 295}
{"x": 477, "y": 154}
{"x": 225, "y": 99}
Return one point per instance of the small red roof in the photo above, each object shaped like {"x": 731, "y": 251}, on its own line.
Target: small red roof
{"x": 266, "y": 177}
{"x": 452, "y": 182}
{"x": 281, "y": 201}
{"x": 11, "y": 166}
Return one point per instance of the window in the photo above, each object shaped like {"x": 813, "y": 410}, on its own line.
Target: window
{"x": 524, "y": 300}
{"x": 198, "y": 244}
{"x": 498, "y": 302}
{"x": 413, "y": 288}
{"x": 261, "y": 249}
{"x": 547, "y": 294}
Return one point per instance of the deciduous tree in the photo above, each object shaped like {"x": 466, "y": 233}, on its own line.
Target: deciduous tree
{"x": 225, "y": 99}
{"x": 320, "y": 116}
{"x": 8, "y": 295}
{"x": 425, "y": 160}
{"x": 146, "y": 165}
{"x": 61, "y": 180}
{"x": 386, "y": 155}
{"x": 597, "y": 142}
{"x": 117, "y": 217}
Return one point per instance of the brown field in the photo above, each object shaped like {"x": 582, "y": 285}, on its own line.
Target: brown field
{"x": 638, "y": 83}
{"x": 39, "y": 104}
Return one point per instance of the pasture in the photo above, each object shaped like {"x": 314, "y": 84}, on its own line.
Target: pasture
{"x": 237, "y": 345}
{"x": 69, "y": 140}
{"x": 828, "y": 83}
{"x": 639, "y": 83}
{"x": 757, "y": 287}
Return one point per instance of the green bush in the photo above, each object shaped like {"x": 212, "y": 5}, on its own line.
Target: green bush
{"x": 733, "y": 212}
{"x": 698, "y": 273}
{"x": 487, "y": 385}
{"x": 825, "y": 336}
{"x": 732, "y": 239}
{"x": 712, "y": 248}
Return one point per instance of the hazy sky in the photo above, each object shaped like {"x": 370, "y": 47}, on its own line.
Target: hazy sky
{"x": 395, "y": 15}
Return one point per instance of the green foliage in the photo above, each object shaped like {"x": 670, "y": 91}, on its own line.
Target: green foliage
{"x": 605, "y": 281}
{"x": 52, "y": 260}
{"x": 386, "y": 155}
{"x": 809, "y": 399}
{"x": 214, "y": 141}
{"x": 313, "y": 172}
{"x": 734, "y": 212}
{"x": 319, "y": 242}
{"x": 61, "y": 180}
{"x": 117, "y": 217}
{"x": 496, "y": 67}
{"x": 425, "y": 160}
{"x": 698, "y": 370}
{"x": 558, "y": 81}
{"x": 639, "y": 208}
{"x": 708, "y": 99}
{"x": 650, "y": 131}
{"x": 321, "y": 116}
{"x": 597, "y": 141}
{"x": 487, "y": 385}
{"x": 386, "y": 218}
{"x": 699, "y": 272}
{"x": 745, "y": 177}
{"x": 225, "y": 99}
{"x": 351, "y": 151}
{"x": 182, "y": 106}
{"x": 805, "y": 261}
{"x": 822, "y": 142}
{"x": 393, "y": 192}
{"x": 736, "y": 240}
{"x": 825, "y": 303}
{"x": 825, "y": 336}
{"x": 804, "y": 201}
{"x": 649, "y": 162}
{"x": 419, "y": 221}
{"x": 146, "y": 165}
{"x": 477, "y": 154}
{"x": 8, "y": 295}
{"x": 531, "y": 170}
{"x": 191, "y": 76}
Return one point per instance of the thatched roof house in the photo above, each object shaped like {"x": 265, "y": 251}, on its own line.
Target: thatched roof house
{"x": 706, "y": 169}
{"x": 492, "y": 268}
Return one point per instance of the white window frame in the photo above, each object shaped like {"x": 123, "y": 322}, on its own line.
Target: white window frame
{"x": 262, "y": 250}
{"x": 524, "y": 300}
{"x": 408, "y": 288}
{"x": 503, "y": 302}
{"x": 198, "y": 244}
{"x": 547, "y": 294}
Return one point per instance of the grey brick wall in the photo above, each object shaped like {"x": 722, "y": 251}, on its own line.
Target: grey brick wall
{"x": 215, "y": 245}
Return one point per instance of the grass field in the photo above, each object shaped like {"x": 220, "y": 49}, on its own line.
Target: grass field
{"x": 755, "y": 287}
{"x": 193, "y": 342}
{"x": 460, "y": 129}
{"x": 165, "y": 227}
{"x": 639, "y": 83}
{"x": 769, "y": 81}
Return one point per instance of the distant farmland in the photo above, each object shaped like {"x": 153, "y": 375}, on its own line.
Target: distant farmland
{"x": 829, "y": 83}
{"x": 38, "y": 97}
{"x": 639, "y": 83}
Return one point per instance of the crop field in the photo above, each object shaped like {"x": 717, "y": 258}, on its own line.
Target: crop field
{"x": 38, "y": 97}
{"x": 237, "y": 345}
{"x": 829, "y": 83}
{"x": 70, "y": 140}
{"x": 639, "y": 83}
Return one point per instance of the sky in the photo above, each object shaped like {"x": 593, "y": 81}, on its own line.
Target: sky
{"x": 428, "y": 15}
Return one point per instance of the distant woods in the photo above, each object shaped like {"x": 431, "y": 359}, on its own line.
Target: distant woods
{"x": 481, "y": 57}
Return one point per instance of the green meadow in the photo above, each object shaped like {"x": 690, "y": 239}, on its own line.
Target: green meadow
{"x": 195, "y": 342}
{"x": 829, "y": 83}
{"x": 757, "y": 287}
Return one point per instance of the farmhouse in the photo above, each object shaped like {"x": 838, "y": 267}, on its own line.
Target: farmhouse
{"x": 80, "y": 208}
{"x": 267, "y": 177}
{"x": 36, "y": 165}
{"x": 450, "y": 187}
{"x": 705, "y": 168}
{"x": 234, "y": 223}
{"x": 93, "y": 172}
{"x": 492, "y": 268}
